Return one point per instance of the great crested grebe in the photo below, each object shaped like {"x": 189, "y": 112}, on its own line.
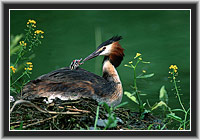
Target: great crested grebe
{"x": 72, "y": 84}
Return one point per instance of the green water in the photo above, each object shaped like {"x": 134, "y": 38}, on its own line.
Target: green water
{"x": 161, "y": 36}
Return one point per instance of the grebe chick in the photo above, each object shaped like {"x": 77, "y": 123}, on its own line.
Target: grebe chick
{"x": 75, "y": 64}
{"x": 72, "y": 84}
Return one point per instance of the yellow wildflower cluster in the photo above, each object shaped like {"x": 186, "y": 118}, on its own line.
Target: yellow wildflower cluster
{"x": 39, "y": 32}
{"x": 137, "y": 55}
{"x": 30, "y": 66}
{"x": 32, "y": 22}
{"x": 22, "y": 43}
{"x": 174, "y": 67}
{"x": 13, "y": 69}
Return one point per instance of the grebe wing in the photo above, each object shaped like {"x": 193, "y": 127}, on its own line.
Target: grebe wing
{"x": 66, "y": 74}
{"x": 67, "y": 84}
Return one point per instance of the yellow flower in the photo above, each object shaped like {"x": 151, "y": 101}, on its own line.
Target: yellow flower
{"x": 29, "y": 68}
{"x": 174, "y": 67}
{"x": 31, "y": 21}
{"x": 13, "y": 69}
{"x": 22, "y": 43}
{"x": 144, "y": 71}
{"x": 33, "y": 25}
{"x": 39, "y": 32}
{"x": 125, "y": 65}
{"x": 130, "y": 62}
{"x": 29, "y": 63}
{"x": 140, "y": 58}
{"x": 137, "y": 55}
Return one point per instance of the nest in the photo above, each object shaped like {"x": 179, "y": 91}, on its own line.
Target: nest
{"x": 76, "y": 115}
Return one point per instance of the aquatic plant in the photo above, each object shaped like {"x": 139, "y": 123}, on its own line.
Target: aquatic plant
{"x": 21, "y": 49}
{"x": 133, "y": 64}
{"x": 185, "y": 121}
{"x": 168, "y": 113}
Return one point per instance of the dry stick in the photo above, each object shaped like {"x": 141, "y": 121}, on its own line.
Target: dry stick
{"x": 74, "y": 109}
{"x": 40, "y": 121}
{"x": 26, "y": 102}
{"x": 40, "y": 109}
{"x": 84, "y": 111}
{"x": 18, "y": 122}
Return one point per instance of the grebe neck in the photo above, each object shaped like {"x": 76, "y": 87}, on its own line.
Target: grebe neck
{"x": 110, "y": 73}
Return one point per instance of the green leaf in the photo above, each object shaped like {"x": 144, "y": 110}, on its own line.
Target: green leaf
{"x": 173, "y": 116}
{"x": 161, "y": 103}
{"x": 12, "y": 128}
{"x": 14, "y": 50}
{"x": 13, "y": 90}
{"x": 163, "y": 95}
{"x": 113, "y": 122}
{"x": 21, "y": 126}
{"x": 145, "y": 76}
{"x": 14, "y": 40}
{"x": 178, "y": 110}
{"x": 97, "y": 115}
{"x": 163, "y": 127}
{"x": 143, "y": 113}
{"x": 146, "y": 62}
{"x": 130, "y": 96}
{"x": 150, "y": 126}
{"x": 120, "y": 105}
{"x": 143, "y": 94}
{"x": 105, "y": 105}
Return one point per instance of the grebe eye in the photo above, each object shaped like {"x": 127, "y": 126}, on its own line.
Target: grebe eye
{"x": 104, "y": 48}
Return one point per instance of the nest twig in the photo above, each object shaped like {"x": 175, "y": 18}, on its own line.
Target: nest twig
{"x": 72, "y": 115}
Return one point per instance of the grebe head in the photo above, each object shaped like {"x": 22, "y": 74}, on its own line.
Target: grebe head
{"x": 111, "y": 49}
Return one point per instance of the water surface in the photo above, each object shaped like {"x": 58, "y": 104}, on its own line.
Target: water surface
{"x": 161, "y": 36}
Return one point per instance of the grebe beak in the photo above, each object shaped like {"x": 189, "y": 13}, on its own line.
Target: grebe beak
{"x": 93, "y": 55}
